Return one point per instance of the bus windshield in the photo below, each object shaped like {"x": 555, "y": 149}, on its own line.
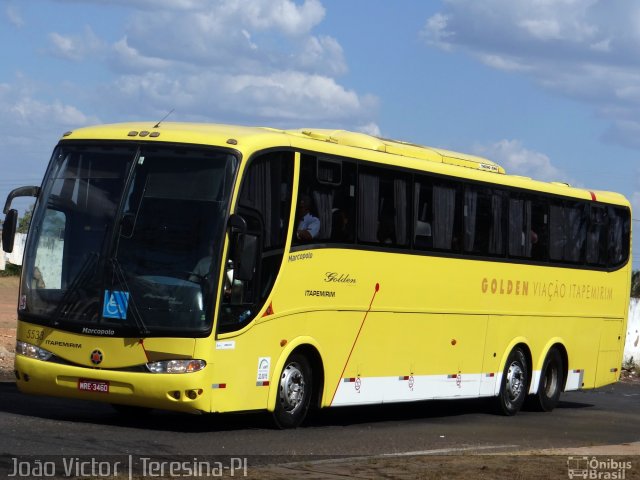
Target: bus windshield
{"x": 125, "y": 239}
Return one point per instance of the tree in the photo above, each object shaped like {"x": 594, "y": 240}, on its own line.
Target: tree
{"x": 25, "y": 220}
{"x": 635, "y": 284}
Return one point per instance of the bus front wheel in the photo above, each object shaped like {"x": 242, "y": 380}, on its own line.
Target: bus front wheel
{"x": 294, "y": 392}
{"x": 551, "y": 381}
{"x": 514, "y": 383}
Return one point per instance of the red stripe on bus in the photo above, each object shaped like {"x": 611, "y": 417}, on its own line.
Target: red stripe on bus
{"x": 141, "y": 342}
{"x": 355, "y": 341}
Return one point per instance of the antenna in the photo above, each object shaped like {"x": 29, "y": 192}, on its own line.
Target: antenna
{"x": 157, "y": 125}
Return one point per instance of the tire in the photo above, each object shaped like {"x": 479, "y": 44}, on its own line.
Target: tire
{"x": 295, "y": 387}
{"x": 515, "y": 383}
{"x": 551, "y": 382}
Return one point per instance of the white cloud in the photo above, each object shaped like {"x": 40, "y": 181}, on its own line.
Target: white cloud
{"x": 280, "y": 97}
{"x": 288, "y": 16}
{"x": 582, "y": 49}
{"x": 503, "y": 62}
{"x": 147, "y": 5}
{"x": 518, "y": 160}
{"x": 127, "y": 58}
{"x": 27, "y": 112}
{"x": 436, "y": 31}
{"x": 283, "y": 15}
{"x": 30, "y": 125}
{"x": 322, "y": 54}
{"x": 242, "y": 36}
{"x": 245, "y": 61}
{"x": 76, "y": 47}
{"x": 14, "y": 16}
{"x": 22, "y": 107}
{"x": 370, "y": 129}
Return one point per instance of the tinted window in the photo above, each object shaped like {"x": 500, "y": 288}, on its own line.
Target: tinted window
{"x": 383, "y": 207}
{"x": 484, "y": 220}
{"x": 327, "y": 193}
{"x": 438, "y": 212}
{"x": 568, "y": 231}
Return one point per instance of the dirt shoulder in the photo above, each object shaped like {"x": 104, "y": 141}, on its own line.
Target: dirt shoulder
{"x": 8, "y": 320}
{"x": 8, "y": 301}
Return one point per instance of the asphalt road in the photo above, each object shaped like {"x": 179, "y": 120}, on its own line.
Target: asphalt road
{"x": 49, "y": 426}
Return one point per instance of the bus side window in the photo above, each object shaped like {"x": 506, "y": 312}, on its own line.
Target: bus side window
{"x": 597, "y": 236}
{"x": 539, "y": 229}
{"x": 328, "y": 185}
{"x": 483, "y": 221}
{"x": 618, "y": 236}
{"x": 520, "y": 233}
{"x": 265, "y": 203}
{"x": 568, "y": 231}
{"x": 383, "y": 207}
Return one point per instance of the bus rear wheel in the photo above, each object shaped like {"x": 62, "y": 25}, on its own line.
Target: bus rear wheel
{"x": 295, "y": 387}
{"x": 551, "y": 381}
{"x": 514, "y": 384}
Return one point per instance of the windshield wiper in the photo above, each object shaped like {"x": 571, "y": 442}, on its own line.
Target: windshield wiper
{"x": 66, "y": 302}
{"x": 135, "y": 313}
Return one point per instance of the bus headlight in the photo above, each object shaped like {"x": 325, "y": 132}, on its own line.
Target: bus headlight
{"x": 31, "y": 351}
{"x": 176, "y": 366}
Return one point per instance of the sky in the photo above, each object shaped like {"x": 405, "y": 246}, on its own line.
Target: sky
{"x": 547, "y": 88}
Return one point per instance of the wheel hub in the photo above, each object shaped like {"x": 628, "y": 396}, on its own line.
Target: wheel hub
{"x": 515, "y": 378}
{"x": 292, "y": 387}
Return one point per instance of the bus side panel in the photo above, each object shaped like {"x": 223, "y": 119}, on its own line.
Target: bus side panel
{"x": 394, "y": 357}
{"x": 610, "y": 352}
{"x": 246, "y": 366}
{"x": 411, "y": 356}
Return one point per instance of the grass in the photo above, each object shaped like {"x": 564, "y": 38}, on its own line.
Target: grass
{"x": 631, "y": 366}
{"x": 11, "y": 270}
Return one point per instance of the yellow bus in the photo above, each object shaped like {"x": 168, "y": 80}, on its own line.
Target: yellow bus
{"x": 214, "y": 268}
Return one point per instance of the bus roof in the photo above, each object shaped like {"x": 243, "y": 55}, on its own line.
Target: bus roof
{"x": 338, "y": 142}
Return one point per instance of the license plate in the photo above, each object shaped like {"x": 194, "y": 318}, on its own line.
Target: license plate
{"x": 96, "y": 386}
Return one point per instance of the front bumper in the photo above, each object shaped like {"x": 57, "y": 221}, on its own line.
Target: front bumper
{"x": 180, "y": 392}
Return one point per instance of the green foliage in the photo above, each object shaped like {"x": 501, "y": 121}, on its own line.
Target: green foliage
{"x": 25, "y": 220}
{"x": 11, "y": 270}
{"x": 635, "y": 284}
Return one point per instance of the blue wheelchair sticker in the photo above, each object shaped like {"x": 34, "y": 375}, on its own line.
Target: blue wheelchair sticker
{"x": 115, "y": 304}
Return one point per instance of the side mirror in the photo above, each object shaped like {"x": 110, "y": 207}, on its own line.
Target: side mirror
{"x": 20, "y": 192}
{"x": 9, "y": 230}
{"x": 237, "y": 223}
{"x": 246, "y": 254}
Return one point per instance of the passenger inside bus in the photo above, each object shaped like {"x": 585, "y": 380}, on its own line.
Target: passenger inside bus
{"x": 309, "y": 225}
{"x": 341, "y": 230}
